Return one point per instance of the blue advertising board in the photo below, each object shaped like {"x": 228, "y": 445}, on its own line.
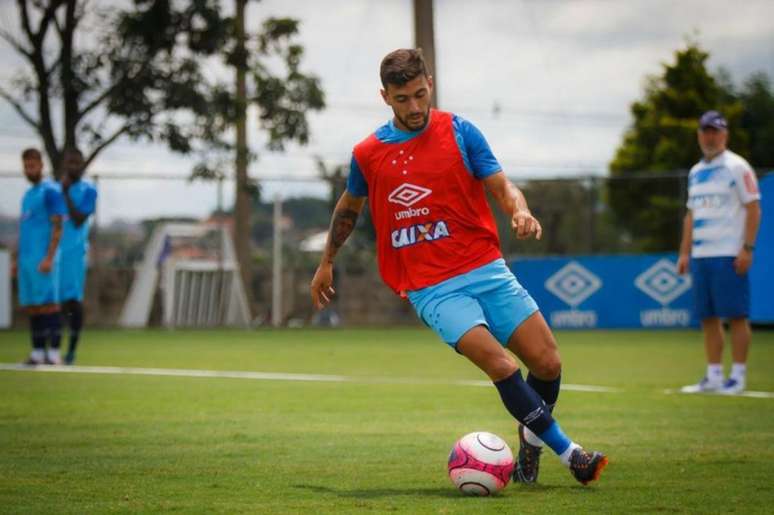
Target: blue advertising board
{"x": 762, "y": 272}
{"x": 638, "y": 291}
{"x": 608, "y": 291}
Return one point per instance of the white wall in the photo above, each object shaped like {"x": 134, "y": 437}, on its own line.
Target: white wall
{"x": 5, "y": 289}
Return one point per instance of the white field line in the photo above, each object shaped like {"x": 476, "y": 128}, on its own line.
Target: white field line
{"x": 748, "y": 393}
{"x": 278, "y": 376}
{"x": 270, "y": 376}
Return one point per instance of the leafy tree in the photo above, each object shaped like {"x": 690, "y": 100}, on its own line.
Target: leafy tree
{"x": 147, "y": 74}
{"x": 757, "y": 97}
{"x": 92, "y": 78}
{"x": 662, "y": 141}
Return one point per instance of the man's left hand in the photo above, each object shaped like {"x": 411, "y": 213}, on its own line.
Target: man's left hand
{"x": 524, "y": 225}
{"x": 743, "y": 261}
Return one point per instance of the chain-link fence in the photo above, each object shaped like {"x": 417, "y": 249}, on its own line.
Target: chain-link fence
{"x": 580, "y": 215}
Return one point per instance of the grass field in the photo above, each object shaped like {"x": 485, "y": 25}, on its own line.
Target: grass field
{"x": 376, "y": 443}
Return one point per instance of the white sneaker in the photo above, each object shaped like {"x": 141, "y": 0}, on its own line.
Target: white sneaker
{"x": 732, "y": 386}
{"x": 703, "y": 386}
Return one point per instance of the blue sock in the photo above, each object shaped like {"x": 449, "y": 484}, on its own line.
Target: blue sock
{"x": 555, "y": 438}
{"x": 524, "y": 404}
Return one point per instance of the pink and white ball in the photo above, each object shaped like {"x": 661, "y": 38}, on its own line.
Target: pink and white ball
{"x": 480, "y": 464}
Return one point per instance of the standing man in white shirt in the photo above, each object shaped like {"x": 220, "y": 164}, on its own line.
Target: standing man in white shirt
{"x": 718, "y": 243}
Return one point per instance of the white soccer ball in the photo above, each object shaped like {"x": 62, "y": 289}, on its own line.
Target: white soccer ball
{"x": 480, "y": 463}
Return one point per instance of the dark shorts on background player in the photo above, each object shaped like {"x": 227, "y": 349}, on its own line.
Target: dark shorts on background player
{"x": 718, "y": 291}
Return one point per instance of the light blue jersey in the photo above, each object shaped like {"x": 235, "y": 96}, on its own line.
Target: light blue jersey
{"x": 40, "y": 203}
{"x": 476, "y": 153}
{"x": 75, "y": 242}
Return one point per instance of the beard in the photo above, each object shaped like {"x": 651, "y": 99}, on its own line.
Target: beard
{"x": 415, "y": 124}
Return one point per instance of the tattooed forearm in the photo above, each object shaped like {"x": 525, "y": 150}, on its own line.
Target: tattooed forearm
{"x": 341, "y": 227}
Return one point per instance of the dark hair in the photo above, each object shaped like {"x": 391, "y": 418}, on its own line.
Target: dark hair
{"x": 32, "y": 153}
{"x": 72, "y": 150}
{"x": 401, "y": 66}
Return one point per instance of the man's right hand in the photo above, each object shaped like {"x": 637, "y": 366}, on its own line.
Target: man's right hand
{"x": 682, "y": 264}
{"x": 322, "y": 286}
{"x": 46, "y": 265}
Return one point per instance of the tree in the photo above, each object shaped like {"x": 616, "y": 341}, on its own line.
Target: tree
{"x": 123, "y": 83}
{"x": 662, "y": 141}
{"x": 757, "y": 97}
{"x": 145, "y": 76}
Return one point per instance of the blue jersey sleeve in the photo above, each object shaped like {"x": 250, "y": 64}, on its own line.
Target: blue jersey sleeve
{"x": 55, "y": 204}
{"x": 356, "y": 183}
{"x": 476, "y": 154}
{"x": 88, "y": 202}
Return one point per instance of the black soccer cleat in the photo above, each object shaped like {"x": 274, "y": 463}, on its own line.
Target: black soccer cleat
{"x": 69, "y": 358}
{"x": 528, "y": 462}
{"x": 587, "y": 466}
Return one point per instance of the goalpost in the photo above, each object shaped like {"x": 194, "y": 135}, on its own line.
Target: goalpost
{"x": 200, "y": 282}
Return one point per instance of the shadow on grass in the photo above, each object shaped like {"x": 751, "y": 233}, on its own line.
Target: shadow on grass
{"x": 447, "y": 493}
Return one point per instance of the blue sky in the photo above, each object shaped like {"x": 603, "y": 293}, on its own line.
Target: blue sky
{"x": 563, "y": 74}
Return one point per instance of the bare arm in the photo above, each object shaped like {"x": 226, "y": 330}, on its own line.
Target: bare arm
{"x": 511, "y": 201}
{"x": 343, "y": 221}
{"x": 685, "y": 244}
{"x": 76, "y": 216}
{"x": 752, "y": 221}
{"x": 53, "y": 243}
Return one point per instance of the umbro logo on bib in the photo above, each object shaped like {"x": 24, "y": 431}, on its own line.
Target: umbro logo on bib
{"x": 408, "y": 194}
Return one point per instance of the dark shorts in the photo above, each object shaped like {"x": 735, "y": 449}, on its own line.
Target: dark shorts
{"x": 718, "y": 291}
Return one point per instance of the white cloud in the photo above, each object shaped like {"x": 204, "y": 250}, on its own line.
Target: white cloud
{"x": 564, "y": 73}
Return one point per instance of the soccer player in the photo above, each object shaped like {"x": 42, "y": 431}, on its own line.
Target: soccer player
{"x": 718, "y": 241}
{"x": 81, "y": 199}
{"x": 37, "y": 260}
{"x": 425, "y": 173}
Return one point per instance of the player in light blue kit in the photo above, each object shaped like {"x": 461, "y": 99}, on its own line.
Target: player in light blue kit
{"x": 81, "y": 199}
{"x": 37, "y": 260}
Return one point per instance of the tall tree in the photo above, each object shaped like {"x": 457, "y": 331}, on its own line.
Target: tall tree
{"x": 91, "y": 77}
{"x": 148, "y": 73}
{"x": 757, "y": 96}
{"x": 662, "y": 140}
{"x": 282, "y": 102}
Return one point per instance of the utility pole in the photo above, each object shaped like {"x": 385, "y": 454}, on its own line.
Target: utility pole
{"x": 276, "y": 281}
{"x": 424, "y": 38}
{"x": 242, "y": 196}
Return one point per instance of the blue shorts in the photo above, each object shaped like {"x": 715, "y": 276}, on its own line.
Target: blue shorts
{"x": 718, "y": 291}
{"x": 35, "y": 287}
{"x": 489, "y": 295}
{"x": 72, "y": 274}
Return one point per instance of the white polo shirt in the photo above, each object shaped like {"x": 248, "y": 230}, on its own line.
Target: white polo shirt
{"x": 717, "y": 193}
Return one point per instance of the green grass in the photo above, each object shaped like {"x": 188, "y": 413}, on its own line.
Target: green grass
{"x": 84, "y": 443}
